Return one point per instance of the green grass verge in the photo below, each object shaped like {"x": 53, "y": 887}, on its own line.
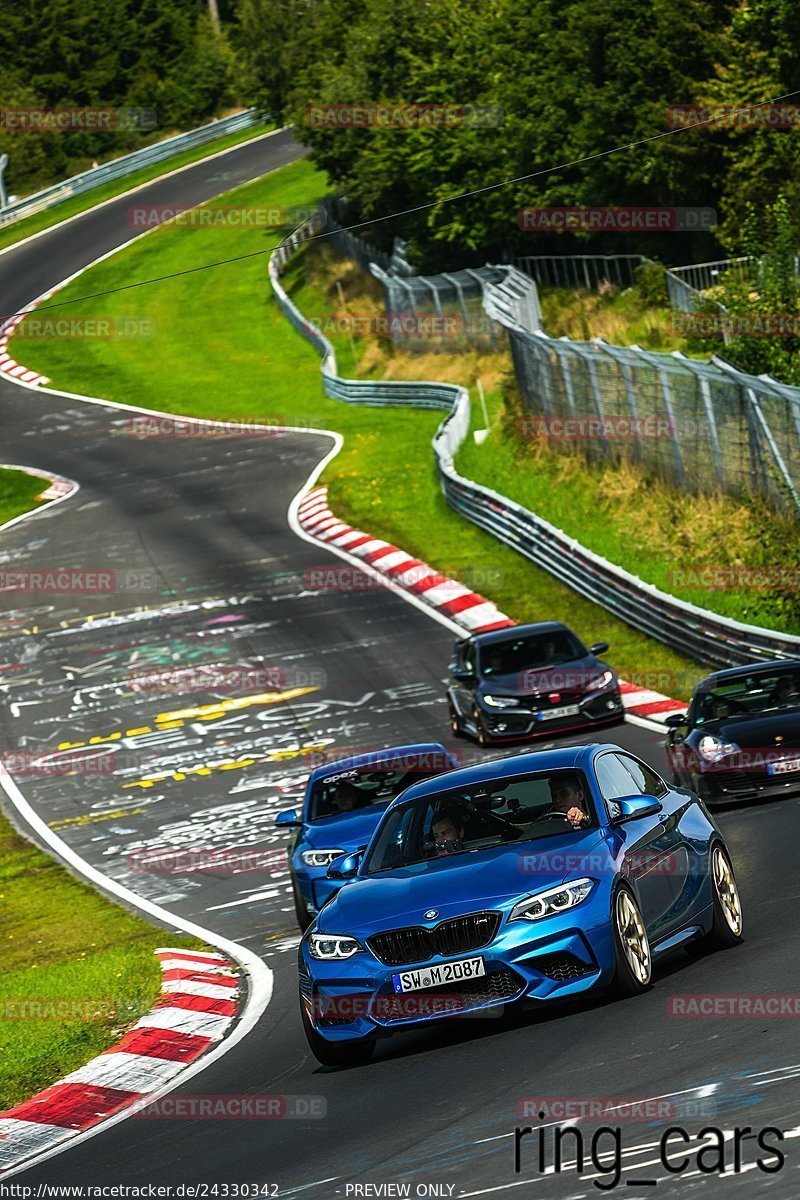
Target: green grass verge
{"x": 18, "y": 493}
{"x": 77, "y": 969}
{"x": 15, "y": 232}
{"x": 223, "y": 348}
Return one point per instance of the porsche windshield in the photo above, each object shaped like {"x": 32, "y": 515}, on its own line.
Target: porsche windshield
{"x": 748, "y": 696}
{"x": 354, "y": 788}
{"x": 540, "y": 650}
{"x": 519, "y": 809}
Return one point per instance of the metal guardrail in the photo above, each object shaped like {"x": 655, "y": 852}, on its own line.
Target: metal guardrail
{"x": 702, "y": 635}
{"x": 117, "y": 168}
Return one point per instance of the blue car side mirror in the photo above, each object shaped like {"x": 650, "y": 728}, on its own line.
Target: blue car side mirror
{"x": 344, "y": 867}
{"x": 633, "y": 808}
{"x": 287, "y": 818}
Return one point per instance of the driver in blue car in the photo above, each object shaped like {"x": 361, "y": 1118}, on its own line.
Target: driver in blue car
{"x": 448, "y": 833}
{"x": 566, "y": 793}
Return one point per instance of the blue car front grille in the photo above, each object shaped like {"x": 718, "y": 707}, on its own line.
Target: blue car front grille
{"x": 458, "y": 935}
{"x": 561, "y": 967}
{"x": 449, "y": 999}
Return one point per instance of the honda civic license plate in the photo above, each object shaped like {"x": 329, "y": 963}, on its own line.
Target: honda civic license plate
{"x": 429, "y": 977}
{"x": 566, "y": 710}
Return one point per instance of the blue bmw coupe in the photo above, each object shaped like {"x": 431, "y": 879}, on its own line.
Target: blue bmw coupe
{"x": 530, "y": 878}
{"x": 343, "y": 802}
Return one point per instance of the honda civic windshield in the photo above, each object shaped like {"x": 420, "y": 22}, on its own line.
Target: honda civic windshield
{"x": 528, "y": 653}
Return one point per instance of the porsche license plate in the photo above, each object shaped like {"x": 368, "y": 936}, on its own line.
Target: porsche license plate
{"x": 430, "y": 977}
{"x": 566, "y": 710}
{"x": 787, "y": 767}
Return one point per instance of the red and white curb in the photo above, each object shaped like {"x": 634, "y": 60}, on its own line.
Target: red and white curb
{"x": 9, "y": 365}
{"x": 473, "y": 612}
{"x": 466, "y": 608}
{"x": 199, "y": 1001}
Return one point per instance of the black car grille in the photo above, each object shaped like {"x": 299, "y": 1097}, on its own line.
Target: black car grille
{"x": 459, "y": 935}
{"x": 449, "y": 999}
{"x": 561, "y": 967}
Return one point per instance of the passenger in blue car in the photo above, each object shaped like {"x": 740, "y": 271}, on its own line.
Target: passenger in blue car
{"x": 566, "y": 792}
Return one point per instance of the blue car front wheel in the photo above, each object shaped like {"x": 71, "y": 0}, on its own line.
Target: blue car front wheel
{"x": 335, "y": 1054}
{"x": 634, "y": 961}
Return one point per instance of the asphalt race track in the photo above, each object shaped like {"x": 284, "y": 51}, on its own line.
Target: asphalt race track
{"x": 207, "y": 571}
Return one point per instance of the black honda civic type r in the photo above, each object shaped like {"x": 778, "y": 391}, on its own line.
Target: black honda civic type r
{"x": 529, "y": 681}
{"x": 740, "y": 739}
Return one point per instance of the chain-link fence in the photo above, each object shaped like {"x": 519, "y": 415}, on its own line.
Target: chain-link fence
{"x": 701, "y": 426}
{"x": 590, "y": 271}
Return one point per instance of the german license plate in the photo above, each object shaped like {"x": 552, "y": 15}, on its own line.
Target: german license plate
{"x": 429, "y": 977}
{"x": 786, "y": 767}
{"x": 566, "y": 710}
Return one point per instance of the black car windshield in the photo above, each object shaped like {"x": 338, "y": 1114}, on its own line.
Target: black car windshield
{"x": 354, "y": 788}
{"x": 538, "y": 650}
{"x": 748, "y": 696}
{"x": 520, "y": 809}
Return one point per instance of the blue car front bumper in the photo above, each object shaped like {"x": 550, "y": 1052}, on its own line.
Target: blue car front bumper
{"x": 550, "y": 959}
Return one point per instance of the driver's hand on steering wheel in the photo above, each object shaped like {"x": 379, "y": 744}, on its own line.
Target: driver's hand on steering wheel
{"x": 575, "y": 816}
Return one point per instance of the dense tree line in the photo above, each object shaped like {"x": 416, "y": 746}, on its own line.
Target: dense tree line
{"x": 571, "y": 77}
{"x": 163, "y": 56}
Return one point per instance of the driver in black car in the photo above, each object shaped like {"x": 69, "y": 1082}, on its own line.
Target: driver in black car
{"x": 566, "y": 793}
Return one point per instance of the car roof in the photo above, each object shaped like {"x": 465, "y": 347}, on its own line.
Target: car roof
{"x": 510, "y": 633}
{"x": 730, "y": 674}
{"x": 569, "y": 757}
{"x": 376, "y": 757}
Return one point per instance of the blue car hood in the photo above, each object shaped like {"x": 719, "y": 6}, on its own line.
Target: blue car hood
{"x": 349, "y": 831}
{"x": 454, "y": 885}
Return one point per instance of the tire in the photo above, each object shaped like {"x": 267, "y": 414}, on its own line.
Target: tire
{"x": 304, "y": 917}
{"x": 726, "y": 928}
{"x": 634, "y": 968}
{"x": 480, "y": 733}
{"x": 333, "y": 1054}
{"x": 455, "y": 721}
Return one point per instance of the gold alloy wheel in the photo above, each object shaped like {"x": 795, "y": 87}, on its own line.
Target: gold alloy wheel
{"x": 726, "y": 891}
{"x": 633, "y": 938}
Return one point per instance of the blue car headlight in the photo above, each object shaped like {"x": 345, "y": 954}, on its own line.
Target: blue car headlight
{"x": 501, "y": 701}
{"x": 332, "y": 947}
{"x": 320, "y": 858}
{"x": 554, "y": 900}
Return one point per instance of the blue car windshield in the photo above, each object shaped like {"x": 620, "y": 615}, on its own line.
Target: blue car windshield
{"x": 354, "y": 788}
{"x": 479, "y": 818}
{"x": 541, "y": 650}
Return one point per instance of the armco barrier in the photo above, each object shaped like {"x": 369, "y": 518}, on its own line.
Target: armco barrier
{"x": 119, "y": 167}
{"x": 696, "y": 632}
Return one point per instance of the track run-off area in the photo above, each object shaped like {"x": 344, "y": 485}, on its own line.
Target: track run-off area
{"x": 208, "y": 570}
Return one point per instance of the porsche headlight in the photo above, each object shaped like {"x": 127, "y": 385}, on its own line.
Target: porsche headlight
{"x": 501, "y": 701}
{"x": 332, "y": 947}
{"x": 553, "y": 901}
{"x": 712, "y": 749}
{"x": 320, "y": 858}
{"x": 600, "y": 681}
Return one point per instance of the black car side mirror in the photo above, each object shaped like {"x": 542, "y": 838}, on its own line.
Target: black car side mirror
{"x": 675, "y": 719}
{"x": 463, "y": 675}
{"x": 598, "y": 648}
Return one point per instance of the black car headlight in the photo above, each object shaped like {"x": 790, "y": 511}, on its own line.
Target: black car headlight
{"x": 552, "y": 901}
{"x": 501, "y": 701}
{"x": 712, "y": 749}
